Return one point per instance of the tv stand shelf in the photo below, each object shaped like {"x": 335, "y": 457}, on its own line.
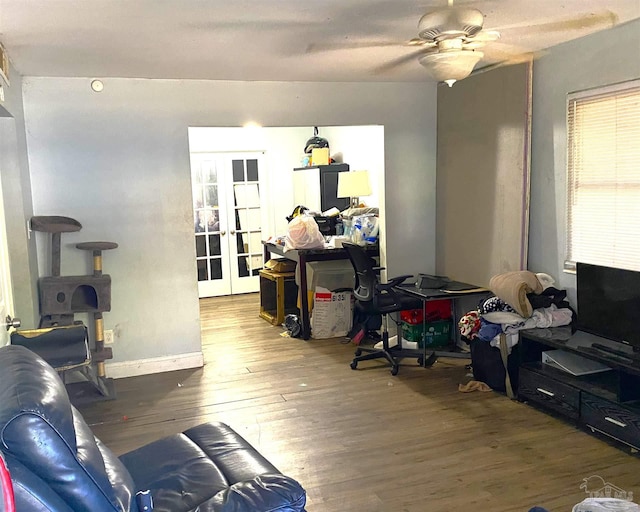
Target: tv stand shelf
{"x": 606, "y": 402}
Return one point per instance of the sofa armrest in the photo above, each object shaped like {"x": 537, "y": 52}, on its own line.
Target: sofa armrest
{"x": 272, "y": 492}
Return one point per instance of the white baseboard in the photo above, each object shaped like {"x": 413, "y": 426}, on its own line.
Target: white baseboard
{"x": 154, "y": 365}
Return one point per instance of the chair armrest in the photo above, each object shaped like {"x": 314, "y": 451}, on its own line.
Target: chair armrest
{"x": 272, "y": 492}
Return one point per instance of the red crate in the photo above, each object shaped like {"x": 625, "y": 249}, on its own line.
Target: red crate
{"x": 412, "y": 316}
{"x": 435, "y": 310}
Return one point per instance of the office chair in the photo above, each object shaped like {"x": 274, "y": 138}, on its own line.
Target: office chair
{"x": 375, "y": 298}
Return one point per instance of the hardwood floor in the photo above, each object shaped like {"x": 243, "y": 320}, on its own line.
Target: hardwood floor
{"x": 363, "y": 440}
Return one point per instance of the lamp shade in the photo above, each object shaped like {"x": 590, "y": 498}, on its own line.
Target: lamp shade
{"x": 354, "y": 184}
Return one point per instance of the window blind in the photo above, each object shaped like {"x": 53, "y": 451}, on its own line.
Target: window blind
{"x": 603, "y": 177}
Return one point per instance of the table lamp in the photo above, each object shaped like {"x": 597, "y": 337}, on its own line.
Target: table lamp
{"x": 354, "y": 184}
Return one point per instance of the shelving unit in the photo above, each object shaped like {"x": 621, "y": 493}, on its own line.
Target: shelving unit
{"x": 316, "y": 187}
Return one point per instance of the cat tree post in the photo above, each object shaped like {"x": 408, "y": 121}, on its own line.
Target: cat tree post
{"x": 100, "y": 352}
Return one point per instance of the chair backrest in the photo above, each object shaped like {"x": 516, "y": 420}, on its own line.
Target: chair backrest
{"x": 55, "y": 461}
{"x": 366, "y": 277}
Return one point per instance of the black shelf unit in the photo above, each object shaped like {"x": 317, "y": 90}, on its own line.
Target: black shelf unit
{"x": 606, "y": 403}
{"x": 329, "y": 185}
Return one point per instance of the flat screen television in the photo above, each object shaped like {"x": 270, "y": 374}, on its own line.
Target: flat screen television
{"x": 609, "y": 303}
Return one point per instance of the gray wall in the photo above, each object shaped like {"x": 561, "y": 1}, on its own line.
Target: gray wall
{"x": 118, "y": 162}
{"x": 16, "y": 189}
{"x": 483, "y": 175}
{"x": 601, "y": 59}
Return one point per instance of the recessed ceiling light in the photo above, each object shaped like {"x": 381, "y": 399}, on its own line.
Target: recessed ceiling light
{"x": 97, "y": 85}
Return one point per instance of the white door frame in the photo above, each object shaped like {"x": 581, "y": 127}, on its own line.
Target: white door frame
{"x": 6, "y": 292}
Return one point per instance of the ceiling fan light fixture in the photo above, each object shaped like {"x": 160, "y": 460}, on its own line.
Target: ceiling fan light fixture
{"x": 450, "y": 66}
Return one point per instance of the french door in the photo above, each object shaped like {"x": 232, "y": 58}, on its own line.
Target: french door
{"x": 228, "y": 213}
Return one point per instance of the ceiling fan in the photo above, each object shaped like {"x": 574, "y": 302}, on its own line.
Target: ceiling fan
{"x": 449, "y": 40}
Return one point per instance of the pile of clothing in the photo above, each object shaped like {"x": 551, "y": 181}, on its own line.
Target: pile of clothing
{"x": 521, "y": 300}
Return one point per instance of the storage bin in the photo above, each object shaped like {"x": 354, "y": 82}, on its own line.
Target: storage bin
{"x": 412, "y": 332}
{"x": 436, "y": 334}
{"x": 435, "y": 310}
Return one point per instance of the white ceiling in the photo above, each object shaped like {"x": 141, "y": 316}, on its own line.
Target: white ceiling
{"x": 261, "y": 39}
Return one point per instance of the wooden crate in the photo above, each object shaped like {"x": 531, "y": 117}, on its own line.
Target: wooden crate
{"x": 278, "y": 293}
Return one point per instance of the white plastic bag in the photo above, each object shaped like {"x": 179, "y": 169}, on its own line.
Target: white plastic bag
{"x": 606, "y": 505}
{"x": 303, "y": 233}
{"x": 365, "y": 229}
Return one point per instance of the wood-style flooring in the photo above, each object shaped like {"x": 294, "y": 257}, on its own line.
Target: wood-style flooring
{"x": 363, "y": 440}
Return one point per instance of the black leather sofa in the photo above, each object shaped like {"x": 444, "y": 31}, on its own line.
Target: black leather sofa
{"x": 58, "y": 465}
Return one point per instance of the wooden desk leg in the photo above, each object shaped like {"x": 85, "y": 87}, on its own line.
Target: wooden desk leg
{"x": 304, "y": 297}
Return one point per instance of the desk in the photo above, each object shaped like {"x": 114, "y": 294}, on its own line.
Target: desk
{"x": 302, "y": 257}
{"x": 428, "y": 294}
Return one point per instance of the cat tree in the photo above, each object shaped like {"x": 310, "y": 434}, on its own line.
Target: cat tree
{"x": 61, "y": 297}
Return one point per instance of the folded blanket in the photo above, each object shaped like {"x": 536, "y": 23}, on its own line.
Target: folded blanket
{"x": 512, "y": 287}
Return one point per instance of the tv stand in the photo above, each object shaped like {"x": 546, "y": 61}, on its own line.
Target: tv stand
{"x": 630, "y": 356}
{"x": 605, "y": 403}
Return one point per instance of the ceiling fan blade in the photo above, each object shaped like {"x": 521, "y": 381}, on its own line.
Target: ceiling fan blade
{"x": 351, "y": 45}
{"x": 388, "y": 66}
{"x": 486, "y": 36}
{"x": 605, "y": 19}
{"x": 480, "y": 40}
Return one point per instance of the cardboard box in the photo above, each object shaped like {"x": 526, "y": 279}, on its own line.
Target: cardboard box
{"x": 280, "y": 265}
{"x": 332, "y": 314}
{"x": 320, "y": 156}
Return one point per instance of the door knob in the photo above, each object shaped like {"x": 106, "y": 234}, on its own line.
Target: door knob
{"x": 223, "y": 233}
{"x": 232, "y": 232}
{"x": 12, "y": 322}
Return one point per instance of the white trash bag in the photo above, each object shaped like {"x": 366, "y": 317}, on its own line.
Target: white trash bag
{"x": 606, "y": 505}
{"x": 303, "y": 233}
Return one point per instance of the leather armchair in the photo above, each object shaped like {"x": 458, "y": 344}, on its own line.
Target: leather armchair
{"x": 58, "y": 465}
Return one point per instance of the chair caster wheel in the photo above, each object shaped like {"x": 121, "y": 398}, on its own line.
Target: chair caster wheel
{"x": 354, "y": 365}
{"x": 394, "y": 370}
{"x": 358, "y": 352}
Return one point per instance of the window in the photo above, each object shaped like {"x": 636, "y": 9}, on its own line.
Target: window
{"x": 603, "y": 177}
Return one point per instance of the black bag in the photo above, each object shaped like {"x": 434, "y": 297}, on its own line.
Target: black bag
{"x": 488, "y": 367}
{"x": 293, "y": 326}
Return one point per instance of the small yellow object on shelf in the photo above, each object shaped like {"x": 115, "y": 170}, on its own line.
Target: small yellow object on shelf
{"x": 320, "y": 156}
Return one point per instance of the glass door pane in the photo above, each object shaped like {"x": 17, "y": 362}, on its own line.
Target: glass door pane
{"x": 212, "y": 271}
{"x": 246, "y": 191}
